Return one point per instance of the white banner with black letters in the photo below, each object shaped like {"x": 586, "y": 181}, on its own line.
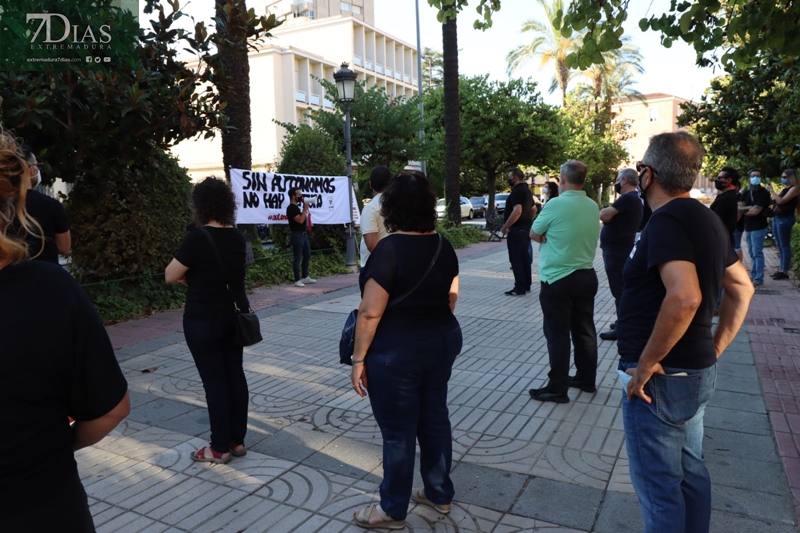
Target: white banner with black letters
{"x": 262, "y": 197}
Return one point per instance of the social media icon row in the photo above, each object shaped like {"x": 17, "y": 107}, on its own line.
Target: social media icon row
{"x": 90, "y": 59}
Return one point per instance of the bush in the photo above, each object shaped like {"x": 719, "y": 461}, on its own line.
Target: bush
{"x": 129, "y": 223}
{"x": 132, "y": 298}
{"x": 796, "y": 249}
{"x": 461, "y": 236}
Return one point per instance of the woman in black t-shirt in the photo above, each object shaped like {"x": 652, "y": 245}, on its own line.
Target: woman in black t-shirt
{"x": 784, "y": 219}
{"x": 407, "y": 339}
{"x": 211, "y": 262}
{"x": 70, "y": 371}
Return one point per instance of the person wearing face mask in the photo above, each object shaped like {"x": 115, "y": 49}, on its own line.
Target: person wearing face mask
{"x": 301, "y": 248}
{"x": 725, "y": 204}
{"x": 668, "y": 350}
{"x": 49, "y": 213}
{"x": 756, "y": 202}
{"x": 519, "y": 217}
{"x": 620, "y": 224}
{"x": 784, "y": 219}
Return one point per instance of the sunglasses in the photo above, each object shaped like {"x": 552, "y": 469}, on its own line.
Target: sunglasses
{"x": 641, "y": 167}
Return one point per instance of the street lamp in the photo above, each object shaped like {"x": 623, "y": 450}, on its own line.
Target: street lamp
{"x": 346, "y": 87}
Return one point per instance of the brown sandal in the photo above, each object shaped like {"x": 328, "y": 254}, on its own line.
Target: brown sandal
{"x": 387, "y": 522}
{"x": 419, "y": 497}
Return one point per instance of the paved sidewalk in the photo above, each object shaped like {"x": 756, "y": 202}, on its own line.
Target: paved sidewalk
{"x": 315, "y": 450}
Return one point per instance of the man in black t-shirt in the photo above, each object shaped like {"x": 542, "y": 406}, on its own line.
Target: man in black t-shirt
{"x": 620, "y": 224}
{"x": 756, "y": 203}
{"x": 725, "y": 204}
{"x": 518, "y": 219}
{"x": 301, "y": 248}
{"x": 668, "y": 353}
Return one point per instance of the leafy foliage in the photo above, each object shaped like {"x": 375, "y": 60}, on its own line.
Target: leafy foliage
{"x": 311, "y": 152}
{"x": 432, "y": 68}
{"x": 129, "y": 223}
{"x": 449, "y": 9}
{"x": 384, "y": 129}
{"x": 460, "y": 236}
{"x": 504, "y": 124}
{"x": 600, "y": 148}
{"x": 748, "y": 116}
{"x": 742, "y": 29}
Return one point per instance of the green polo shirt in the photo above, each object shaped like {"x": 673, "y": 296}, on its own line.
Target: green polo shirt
{"x": 571, "y": 223}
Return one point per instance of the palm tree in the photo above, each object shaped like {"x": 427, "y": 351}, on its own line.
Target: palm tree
{"x": 432, "y": 67}
{"x": 548, "y": 44}
{"x": 452, "y": 119}
{"x": 613, "y": 79}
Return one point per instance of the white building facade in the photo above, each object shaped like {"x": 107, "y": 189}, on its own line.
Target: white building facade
{"x": 315, "y": 38}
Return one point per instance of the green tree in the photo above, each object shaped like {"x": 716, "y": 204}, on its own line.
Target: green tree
{"x": 432, "y": 68}
{"x": 600, "y": 149}
{"x": 748, "y": 118}
{"x": 385, "y": 129}
{"x": 505, "y": 124}
{"x": 740, "y": 30}
{"x": 311, "y": 152}
{"x": 549, "y": 44}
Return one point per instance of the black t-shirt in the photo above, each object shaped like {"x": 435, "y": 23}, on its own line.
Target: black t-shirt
{"x": 520, "y": 195}
{"x": 57, "y": 361}
{"x": 740, "y": 222}
{"x": 726, "y": 207}
{"x": 646, "y": 213}
{"x": 672, "y": 234}
{"x": 756, "y": 196}
{"x": 620, "y": 232}
{"x": 208, "y": 296}
{"x": 49, "y": 213}
{"x": 787, "y": 209}
{"x": 397, "y": 263}
{"x": 292, "y": 211}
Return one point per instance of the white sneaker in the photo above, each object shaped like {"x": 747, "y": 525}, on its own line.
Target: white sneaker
{"x": 308, "y": 279}
{"x": 299, "y": 283}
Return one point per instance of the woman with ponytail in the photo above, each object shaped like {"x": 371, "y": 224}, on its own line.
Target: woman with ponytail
{"x": 68, "y": 371}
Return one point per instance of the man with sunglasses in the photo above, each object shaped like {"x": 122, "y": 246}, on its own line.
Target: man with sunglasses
{"x": 668, "y": 352}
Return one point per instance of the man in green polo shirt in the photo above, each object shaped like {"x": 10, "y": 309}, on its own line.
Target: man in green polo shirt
{"x": 568, "y": 228}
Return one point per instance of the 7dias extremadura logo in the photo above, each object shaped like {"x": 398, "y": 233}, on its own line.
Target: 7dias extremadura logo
{"x": 46, "y": 35}
{"x": 98, "y": 39}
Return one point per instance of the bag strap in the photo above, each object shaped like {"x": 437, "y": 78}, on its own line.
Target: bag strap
{"x": 430, "y": 267}
{"x": 221, "y": 265}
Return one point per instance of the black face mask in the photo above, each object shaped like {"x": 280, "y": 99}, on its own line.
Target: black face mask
{"x": 721, "y": 185}
{"x": 510, "y": 182}
{"x": 618, "y": 187}
{"x": 641, "y": 191}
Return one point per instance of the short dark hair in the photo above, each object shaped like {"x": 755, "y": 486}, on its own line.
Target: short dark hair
{"x": 409, "y": 203}
{"x": 676, "y": 158}
{"x": 749, "y": 172}
{"x": 292, "y": 191}
{"x": 574, "y": 172}
{"x": 212, "y": 199}
{"x": 552, "y": 189}
{"x": 731, "y": 173}
{"x": 517, "y": 173}
{"x": 379, "y": 178}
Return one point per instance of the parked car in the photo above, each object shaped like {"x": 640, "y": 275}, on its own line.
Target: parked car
{"x": 479, "y": 204}
{"x": 466, "y": 208}
{"x": 500, "y": 202}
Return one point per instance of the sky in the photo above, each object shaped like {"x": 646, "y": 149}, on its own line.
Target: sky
{"x": 672, "y": 71}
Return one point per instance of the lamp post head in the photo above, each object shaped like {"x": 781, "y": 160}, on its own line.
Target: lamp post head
{"x": 345, "y": 84}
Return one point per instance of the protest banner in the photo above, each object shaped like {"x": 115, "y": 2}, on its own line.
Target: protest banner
{"x": 262, "y": 197}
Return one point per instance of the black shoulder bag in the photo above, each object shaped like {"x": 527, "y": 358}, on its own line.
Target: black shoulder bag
{"x": 248, "y": 328}
{"x": 348, "y": 342}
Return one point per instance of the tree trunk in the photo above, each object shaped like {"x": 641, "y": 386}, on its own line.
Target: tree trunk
{"x": 491, "y": 183}
{"x": 452, "y": 122}
{"x": 233, "y": 82}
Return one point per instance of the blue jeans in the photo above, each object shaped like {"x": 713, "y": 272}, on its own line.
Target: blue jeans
{"x": 737, "y": 240}
{"x": 782, "y": 230}
{"x": 520, "y": 254}
{"x": 301, "y": 249}
{"x": 755, "y": 246}
{"x": 664, "y": 441}
{"x": 407, "y": 382}
{"x": 219, "y": 362}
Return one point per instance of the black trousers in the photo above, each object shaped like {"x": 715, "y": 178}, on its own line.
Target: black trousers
{"x": 568, "y": 310}
{"x": 614, "y": 262}
{"x": 519, "y": 254}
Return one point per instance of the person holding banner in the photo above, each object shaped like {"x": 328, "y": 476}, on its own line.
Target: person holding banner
{"x": 301, "y": 248}
{"x": 406, "y": 341}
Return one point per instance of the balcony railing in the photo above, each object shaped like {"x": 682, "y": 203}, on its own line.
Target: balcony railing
{"x": 398, "y": 76}
{"x": 300, "y": 96}
{"x": 358, "y": 61}
{"x": 327, "y": 103}
{"x": 388, "y": 72}
{"x": 368, "y": 64}
{"x": 315, "y": 99}
{"x": 406, "y": 78}
{"x": 378, "y": 68}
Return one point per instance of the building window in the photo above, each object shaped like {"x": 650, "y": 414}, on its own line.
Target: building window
{"x": 652, "y": 114}
{"x": 345, "y": 6}
{"x": 356, "y": 10}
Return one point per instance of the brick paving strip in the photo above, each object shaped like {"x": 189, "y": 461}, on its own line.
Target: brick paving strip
{"x": 315, "y": 451}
